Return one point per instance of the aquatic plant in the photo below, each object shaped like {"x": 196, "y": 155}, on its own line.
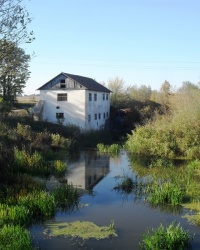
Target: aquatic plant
{"x": 165, "y": 193}
{"x": 112, "y": 149}
{"x": 66, "y": 196}
{"x": 169, "y": 238}
{"x": 16, "y": 215}
{"x": 39, "y": 203}
{"x": 82, "y": 229}
{"x": 33, "y": 163}
{"x": 15, "y": 238}
{"x": 60, "y": 168}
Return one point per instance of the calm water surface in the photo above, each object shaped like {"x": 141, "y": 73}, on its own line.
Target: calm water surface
{"x": 132, "y": 216}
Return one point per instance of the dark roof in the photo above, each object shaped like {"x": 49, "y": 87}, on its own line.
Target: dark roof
{"x": 87, "y": 82}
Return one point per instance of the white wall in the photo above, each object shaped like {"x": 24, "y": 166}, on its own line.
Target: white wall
{"x": 97, "y": 107}
{"x": 73, "y": 108}
{"x": 77, "y": 107}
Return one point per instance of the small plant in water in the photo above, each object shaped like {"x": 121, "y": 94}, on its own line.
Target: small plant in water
{"x": 174, "y": 237}
{"x": 66, "y": 196}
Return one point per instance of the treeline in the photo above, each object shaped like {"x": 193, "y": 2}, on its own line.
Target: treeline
{"x": 175, "y": 133}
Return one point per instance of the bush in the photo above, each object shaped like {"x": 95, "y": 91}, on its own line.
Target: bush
{"x": 170, "y": 238}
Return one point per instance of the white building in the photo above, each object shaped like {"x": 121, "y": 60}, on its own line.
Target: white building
{"x": 73, "y": 99}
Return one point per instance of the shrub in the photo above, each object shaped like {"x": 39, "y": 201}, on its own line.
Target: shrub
{"x": 170, "y": 238}
{"x": 15, "y": 238}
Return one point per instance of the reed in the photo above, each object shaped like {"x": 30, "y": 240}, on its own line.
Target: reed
{"x": 16, "y": 215}
{"x": 66, "y": 196}
{"x": 165, "y": 193}
{"x": 169, "y": 238}
{"x": 15, "y": 238}
{"x": 40, "y": 204}
{"x": 112, "y": 149}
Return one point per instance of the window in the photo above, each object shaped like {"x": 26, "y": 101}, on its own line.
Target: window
{"x": 106, "y": 96}
{"x": 62, "y": 84}
{"x": 59, "y": 115}
{"x": 99, "y": 116}
{"x": 95, "y": 116}
{"x": 107, "y": 114}
{"x": 103, "y": 96}
{"x": 95, "y": 97}
{"x": 62, "y": 97}
{"x": 89, "y": 118}
{"x": 90, "y": 97}
{"x": 104, "y": 115}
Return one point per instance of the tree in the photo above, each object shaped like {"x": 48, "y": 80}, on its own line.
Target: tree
{"x": 13, "y": 71}
{"x": 116, "y": 85}
{"x": 14, "y": 20}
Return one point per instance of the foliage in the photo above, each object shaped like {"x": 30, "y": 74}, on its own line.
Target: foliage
{"x": 169, "y": 238}
{"x": 40, "y": 204}
{"x": 174, "y": 135}
{"x": 13, "y": 71}
{"x": 66, "y": 196}
{"x": 112, "y": 149}
{"x": 16, "y": 215}
{"x": 165, "y": 193}
{"x": 15, "y": 237}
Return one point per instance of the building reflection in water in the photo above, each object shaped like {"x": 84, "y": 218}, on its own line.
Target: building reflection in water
{"x": 88, "y": 170}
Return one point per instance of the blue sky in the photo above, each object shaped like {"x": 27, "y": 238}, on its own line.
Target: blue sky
{"x": 140, "y": 41}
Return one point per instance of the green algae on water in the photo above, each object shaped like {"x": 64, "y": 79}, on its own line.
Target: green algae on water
{"x": 194, "y": 216}
{"x": 82, "y": 229}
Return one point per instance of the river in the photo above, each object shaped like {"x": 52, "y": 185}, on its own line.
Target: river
{"x": 130, "y": 213}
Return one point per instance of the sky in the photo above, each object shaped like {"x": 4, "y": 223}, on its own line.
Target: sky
{"x": 143, "y": 42}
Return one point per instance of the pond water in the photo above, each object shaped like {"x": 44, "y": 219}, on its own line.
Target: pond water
{"x": 131, "y": 214}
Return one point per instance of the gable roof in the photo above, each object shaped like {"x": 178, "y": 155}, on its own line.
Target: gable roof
{"x": 87, "y": 82}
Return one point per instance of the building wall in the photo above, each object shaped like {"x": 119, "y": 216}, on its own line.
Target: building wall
{"x": 78, "y": 109}
{"x": 73, "y": 109}
{"x": 97, "y": 111}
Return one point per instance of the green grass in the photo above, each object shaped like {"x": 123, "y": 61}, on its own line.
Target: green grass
{"x": 16, "y": 215}
{"x": 112, "y": 149}
{"x": 173, "y": 237}
{"x": 66, "y": 196}
{"x": 40, "y": 204}
{"x": 165, "y": 193}
{"x": 15, "y": 238}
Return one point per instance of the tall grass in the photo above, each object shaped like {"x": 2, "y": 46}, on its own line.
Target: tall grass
{"x": 66, "y": 196}
{"x": 165, "y": 193}
{"x": 169, "y": 238}
{"x": 16, "y": 215}
{"x": 112, "y": 149}
{"x": 15, "y": 238}
{"x": 40, "y": 204}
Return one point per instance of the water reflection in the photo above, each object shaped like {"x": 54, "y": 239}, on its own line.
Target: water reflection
{"x": 88, "y": 170}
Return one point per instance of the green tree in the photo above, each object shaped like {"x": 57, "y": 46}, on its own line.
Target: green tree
{"x": 13, "y": 71}
{"x": 117, "y": 87}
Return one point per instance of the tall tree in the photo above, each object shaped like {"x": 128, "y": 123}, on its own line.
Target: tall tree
{"x": 13, "y": 71}
{"x": 117, "y": 87}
